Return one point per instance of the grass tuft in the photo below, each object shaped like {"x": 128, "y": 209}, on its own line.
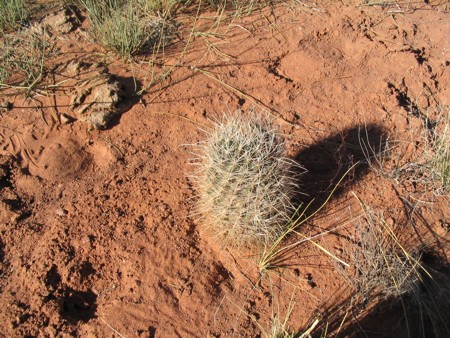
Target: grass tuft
{"x": 427, "y": 166}
{"x": 239, "y": 6}
{"x": 22, "y": 57}
{"x": 162, "y": 7}
{"x": 382, "y": 267}
{"x": 128, "y": 28}
{"x": 245, "y": 184}
{"x": 277, "y": 327}
{"x": 438, "y": 151}
{"x": 11, "y": 13}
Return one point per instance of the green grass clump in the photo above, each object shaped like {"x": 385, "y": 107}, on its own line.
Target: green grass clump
{"x": 127, "y": 27}
{"x": 238, "y": 5}
{"x": 11, "y": 13}
{"x": 157, "y": 6}
{"x": 245, "y": 184}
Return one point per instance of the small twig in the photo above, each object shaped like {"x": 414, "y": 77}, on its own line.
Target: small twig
{"x": 112, "y": 329}
{"x": 307, "y": 333}
{"x": 240, "y": 92}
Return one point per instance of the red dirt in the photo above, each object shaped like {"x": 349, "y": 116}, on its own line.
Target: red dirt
{"x": 96, "y": 237}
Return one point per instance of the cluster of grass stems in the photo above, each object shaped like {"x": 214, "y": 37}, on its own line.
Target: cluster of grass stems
{"x": 383, "y": 269}
{"x": 12, "y": 12}
{"x": 132, "y": 27}
{"x": 429, "y": 167}
{"x": 127, "y": 27}
{"x": 381, "y": 265}
{"x": 271, "y": 256}
{"x": 23, "y": 56}
{"x": 438, "y": 150}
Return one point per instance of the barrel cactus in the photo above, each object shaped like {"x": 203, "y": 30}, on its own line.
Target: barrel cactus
{"x": 245, "y": 183}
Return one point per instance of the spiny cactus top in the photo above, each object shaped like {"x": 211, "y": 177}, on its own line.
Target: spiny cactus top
{"x": 245, "y": 184}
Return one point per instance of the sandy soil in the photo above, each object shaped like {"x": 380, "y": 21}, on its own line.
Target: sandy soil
{"x": 96, "y": 233}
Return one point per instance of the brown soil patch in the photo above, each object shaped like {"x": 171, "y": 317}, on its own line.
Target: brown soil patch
{"x": 58, "y": 159}
{"x": 96, "y": 233}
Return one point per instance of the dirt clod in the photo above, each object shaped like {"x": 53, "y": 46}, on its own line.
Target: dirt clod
{"x": 63, "y": 21}
{"x": 59, "y": 159}
{"x": 95, "y": 100}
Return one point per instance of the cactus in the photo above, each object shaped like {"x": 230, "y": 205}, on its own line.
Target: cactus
{"x": 245, "y": 184}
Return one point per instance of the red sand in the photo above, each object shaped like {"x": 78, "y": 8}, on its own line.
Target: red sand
{"x": 96, "y": 237}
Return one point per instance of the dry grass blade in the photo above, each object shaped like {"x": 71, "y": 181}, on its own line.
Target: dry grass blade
{"x": 272, "y": 253}
{"x": 277, "y": 326}
{"x": 310, "y": 329}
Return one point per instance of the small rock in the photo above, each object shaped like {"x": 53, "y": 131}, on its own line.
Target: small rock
{"x": 66, "y": 119}
{"x": 6, "y": 214}
{"x": 61, "y": 212}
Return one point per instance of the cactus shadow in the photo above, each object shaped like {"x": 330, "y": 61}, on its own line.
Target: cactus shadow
{"x": 338, "y": 162}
